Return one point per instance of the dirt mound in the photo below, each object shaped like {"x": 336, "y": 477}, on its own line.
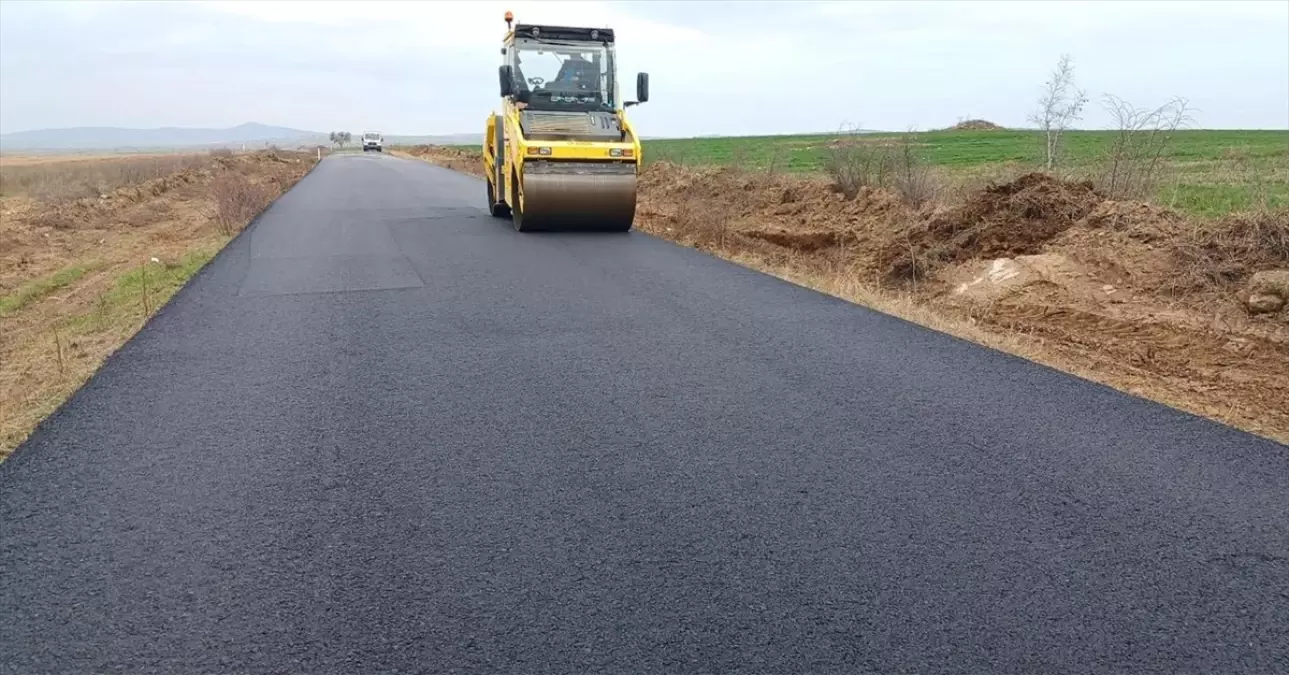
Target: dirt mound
{"x": 806, "y": 241}
{"x": 1003, "y": 220}
{"x": 773, "y": 213}
{"x": 975, "y": 125}
{"x": 1142, "y": 221}
{"x": 445, "y": 151}
{"x": 457, "y": 159}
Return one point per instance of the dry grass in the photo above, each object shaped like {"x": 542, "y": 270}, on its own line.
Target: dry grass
{"x": 1221, "y": 255}
{"x": 449, "y": 157}
{"x": 78, "y": 277}
{"x": 72, "y": 179}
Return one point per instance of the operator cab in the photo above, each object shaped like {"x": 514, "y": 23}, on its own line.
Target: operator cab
{"x": 563, "y": 69}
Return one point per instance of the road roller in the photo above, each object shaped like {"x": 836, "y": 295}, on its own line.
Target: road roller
{"x": 561, "y": 154}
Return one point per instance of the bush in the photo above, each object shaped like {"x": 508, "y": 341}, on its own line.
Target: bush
{"x": 238, "y": 199}
{"x": 854, "y": 163}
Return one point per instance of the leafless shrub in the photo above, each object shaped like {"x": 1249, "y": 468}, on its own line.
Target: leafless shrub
{"x": 221, "y": 152}
{"x": 1135, "y": 159}
{"x": 237, "y": 200}
{"x": 854, "y": 163}
{"x": 912, "y": 176}
{"x": 739, "y": 158}
{"x": 776, "y": 162}
{"x": 1059, "y": 106}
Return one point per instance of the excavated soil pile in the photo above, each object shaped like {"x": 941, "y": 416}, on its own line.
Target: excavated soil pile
{"x": 708, "y": 207}
{"x": 457, "y": 159}
{"x": 975, "y": 125}
{"x": 878, "y": 231}
{"x": 1013, "y": 218}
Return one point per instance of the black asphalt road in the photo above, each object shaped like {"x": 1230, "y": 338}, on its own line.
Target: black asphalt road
{"x": 383, "y": 432}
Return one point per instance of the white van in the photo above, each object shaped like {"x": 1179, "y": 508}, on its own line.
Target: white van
{"x": 372, "y": 141}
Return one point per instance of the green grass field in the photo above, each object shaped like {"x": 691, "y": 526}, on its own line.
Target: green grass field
{"x": 1207, "y": 173}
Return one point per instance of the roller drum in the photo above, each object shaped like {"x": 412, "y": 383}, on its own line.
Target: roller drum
{"x": 577, "y": 196}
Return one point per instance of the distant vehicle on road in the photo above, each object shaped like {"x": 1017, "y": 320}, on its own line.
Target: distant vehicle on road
{"x": 372, "y": 141}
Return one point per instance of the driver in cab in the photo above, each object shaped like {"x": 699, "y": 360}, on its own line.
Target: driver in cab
{"x": 577, "y": 73}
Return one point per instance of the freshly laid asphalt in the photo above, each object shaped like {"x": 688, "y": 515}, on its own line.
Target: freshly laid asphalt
{"x": 383, "y": 432}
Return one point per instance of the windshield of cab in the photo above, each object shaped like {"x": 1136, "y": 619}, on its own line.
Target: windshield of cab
{"x": 371, "y": 137}
{"x": 561, "y": 75}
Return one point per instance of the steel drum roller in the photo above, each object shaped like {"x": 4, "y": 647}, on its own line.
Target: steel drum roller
{"x": 577, "y": 196}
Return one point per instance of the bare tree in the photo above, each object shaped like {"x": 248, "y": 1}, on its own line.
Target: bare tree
{"x": 1059, "y": 106}
{"x": 1140, "y": 146}
{"x": 335, "y": 138}
{"x": 345, "y": 137}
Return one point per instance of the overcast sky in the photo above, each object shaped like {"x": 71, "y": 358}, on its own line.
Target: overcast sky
{"x": 715, "y": 67}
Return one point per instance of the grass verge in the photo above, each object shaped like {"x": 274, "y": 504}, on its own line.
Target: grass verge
{"x": 79, "y": 276}
{"x": 39, "y": 288}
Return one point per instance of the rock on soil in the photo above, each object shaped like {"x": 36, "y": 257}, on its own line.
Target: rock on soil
{"x": 1267, "y": 292}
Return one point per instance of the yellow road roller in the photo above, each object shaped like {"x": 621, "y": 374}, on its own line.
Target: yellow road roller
{"x": 561, "y": 155}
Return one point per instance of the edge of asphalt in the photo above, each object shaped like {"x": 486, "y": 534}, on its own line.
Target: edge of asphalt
{"x": 15, "y": 457}
{"x": 1186, "y": 414}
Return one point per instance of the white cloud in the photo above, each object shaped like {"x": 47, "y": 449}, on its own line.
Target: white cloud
{"x": 758, "y": 67}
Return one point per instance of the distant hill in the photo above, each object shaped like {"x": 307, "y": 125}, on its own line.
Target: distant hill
{"x": 117, "y": 138}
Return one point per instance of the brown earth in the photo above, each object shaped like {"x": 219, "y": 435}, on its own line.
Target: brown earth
{"x": 449, "y": 157}
{"x": 1123, "y": 293}
{"x": 975, "y": 125}
{"x": 78, "y": 276}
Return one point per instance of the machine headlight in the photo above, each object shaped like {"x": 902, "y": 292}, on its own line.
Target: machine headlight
{"x": 620, "y": 152}
{"x": 539, "y": 151}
